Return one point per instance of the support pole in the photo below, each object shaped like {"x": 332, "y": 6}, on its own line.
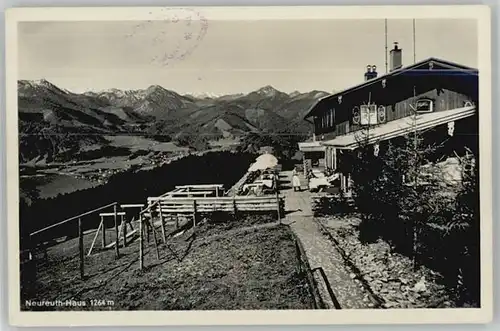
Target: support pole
{"x": 141, "y": 243}
{"x": 117, "y": 236}
{"x": 194, "y": 212}
{"x": 124, "y": 226}
{"x": 103, "y": 232}
{"x": 80, "y": 247}
{"x": 278, "y": 198}
{"x": 349, "y": 182}
{"x": 95, "y": 238}
{"x": 147, "y": 229}
{"x": 31, "y": 256}
{"x": 156, "y": 243}
{"x": 414, "y": 44}
{"x": 235, "y": 210}
{"x": 162, "y": 220}
{"x": 386, "y": 51}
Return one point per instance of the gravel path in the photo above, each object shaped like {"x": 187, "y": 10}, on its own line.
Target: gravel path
{"x": 319, "y": 250}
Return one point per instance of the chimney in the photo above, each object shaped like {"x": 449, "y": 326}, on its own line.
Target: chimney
{"x": 396, "y": 58}
{"x": 368, "y": 72}
{"x": 371, "y": 72}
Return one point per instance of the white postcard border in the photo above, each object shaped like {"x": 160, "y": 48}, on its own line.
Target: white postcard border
{"x": 139, "y": 318}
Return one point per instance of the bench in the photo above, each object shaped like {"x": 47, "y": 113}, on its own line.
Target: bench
{"x": 121, "y": 213}
{"x": 138, "y": 205}
{"x": 193, "y": 193}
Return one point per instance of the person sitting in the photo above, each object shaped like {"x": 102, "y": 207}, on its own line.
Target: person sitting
{"x": 310, "y": 174}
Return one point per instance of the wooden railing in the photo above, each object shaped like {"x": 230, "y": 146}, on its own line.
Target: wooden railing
{"x": 203, "y": 190}
{"x": 169, "y": 204}
{"x": 78, "y": 218}
{"x": 215, "y": 204}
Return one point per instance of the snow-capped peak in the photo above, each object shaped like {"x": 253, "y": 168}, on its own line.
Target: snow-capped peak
{"x": 40, "y": 83}
{"x": 267, "y": 90}
{"x": 204, "y": 95}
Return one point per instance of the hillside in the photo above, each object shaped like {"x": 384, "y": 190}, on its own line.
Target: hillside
{"x": 55, "y": 122}
{"x": 196, "y": 271}
{"x": 155, "y": 101}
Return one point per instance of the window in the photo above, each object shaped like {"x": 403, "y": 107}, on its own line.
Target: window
{"x": 356, "y": 115}
{"x": 368, "y": 114}
{"x": 424, "y": 106}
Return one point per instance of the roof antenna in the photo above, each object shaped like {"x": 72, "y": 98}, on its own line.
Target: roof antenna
{"x": 414, "y": 47}
{"x": 386, "y": 65}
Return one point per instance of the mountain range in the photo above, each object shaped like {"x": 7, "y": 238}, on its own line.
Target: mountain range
{"x": 54, "y": 121}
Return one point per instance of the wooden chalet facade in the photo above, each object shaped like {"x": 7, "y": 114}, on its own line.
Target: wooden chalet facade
{"x": 442, "y": 94}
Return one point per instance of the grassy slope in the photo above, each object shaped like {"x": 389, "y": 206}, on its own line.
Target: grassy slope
{"x": 223, "y": 266}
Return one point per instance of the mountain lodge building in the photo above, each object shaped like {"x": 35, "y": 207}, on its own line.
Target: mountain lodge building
{"x": 443, "y": 95}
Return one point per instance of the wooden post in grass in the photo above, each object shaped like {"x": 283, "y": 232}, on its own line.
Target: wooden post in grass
{"x": 80, "y": 247}
{"x": 117, "y": 236}
{"x": 278, "y": 197}
{"x": 124, "y": 226}
{"x": 95, "y": 238}
{"x": 194, "y": 212}
{"x": 141, "y": 242}
{"x": 147, "y": 226}
{"x": 235, "y": 210}
{"x": 31, "y": 255}
{"x": 103, "y": 232}
{"x": 162, "y": 220}
{"x": 156, "y": 244}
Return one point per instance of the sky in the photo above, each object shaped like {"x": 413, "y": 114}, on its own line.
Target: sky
{"x": 225, "y": 57}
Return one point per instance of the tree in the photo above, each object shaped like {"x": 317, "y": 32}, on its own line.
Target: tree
{"x": 393, "y": 190}
{"x": 403, "y": 198}
{"x": 464, "y": 230}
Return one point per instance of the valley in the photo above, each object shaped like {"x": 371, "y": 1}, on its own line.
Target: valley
{"x": 70, "y": 141}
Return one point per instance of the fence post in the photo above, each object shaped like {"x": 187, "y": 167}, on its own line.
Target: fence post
{"x": 152, "y": 222}
{"x": 194, "y": 212}
{"x": 124, "y": 226}
{"x": 31, "y": 255}
{"x": 80, "y": 247}
{"x": 141, "y": 242}
{"x": 162, "y": 220}
{"x": 278, "y": 198}
{"x": 103, "y": 232}
{"x": 117, "y": 236}
{"x": 235, "y": 210}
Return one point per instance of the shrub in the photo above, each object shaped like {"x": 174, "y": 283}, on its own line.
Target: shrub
{"x": 412, "y": 210}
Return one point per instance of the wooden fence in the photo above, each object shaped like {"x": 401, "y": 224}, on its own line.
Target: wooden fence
{"x": 183, "y": 200}
{"x": 206, "y": 190}
{"x": 236, "y": 204}
{"x": 37, "y": 241}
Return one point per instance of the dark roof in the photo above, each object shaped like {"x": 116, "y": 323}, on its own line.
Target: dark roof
{"x": 445, "y": 65}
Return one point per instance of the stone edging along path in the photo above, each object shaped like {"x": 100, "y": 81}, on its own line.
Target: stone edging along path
{"x": 377, "y": 301}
